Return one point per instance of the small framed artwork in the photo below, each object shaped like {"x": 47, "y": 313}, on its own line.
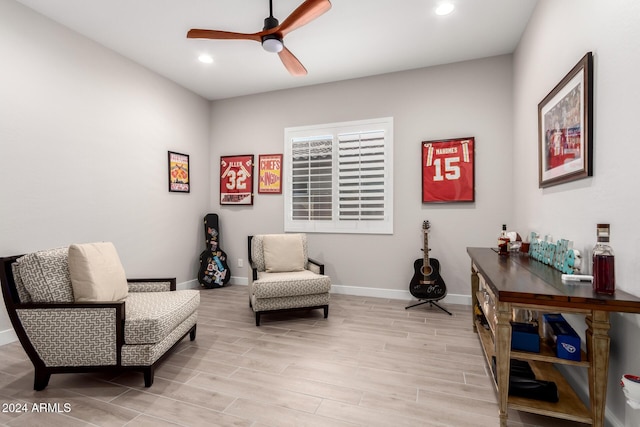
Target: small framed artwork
{"x": 179, "y": 172}
{"x": 448, "y": 170}
{"x": 236, "y": 180}
{"x": 270, "y": 173}
{"x": 565, "y": 128}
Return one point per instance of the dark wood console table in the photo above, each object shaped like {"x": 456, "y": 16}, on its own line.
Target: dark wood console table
{"x": 502, "y": 283}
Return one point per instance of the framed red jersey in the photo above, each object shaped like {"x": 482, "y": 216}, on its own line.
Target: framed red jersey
{"x": 236, "y": 180}
{"x": 448, "y": 170}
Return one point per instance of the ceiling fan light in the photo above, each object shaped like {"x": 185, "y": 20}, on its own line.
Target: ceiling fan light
{"x": 444, "y": 9}
{"x": 205, "y": 58}
{"x": 273, "y": 45}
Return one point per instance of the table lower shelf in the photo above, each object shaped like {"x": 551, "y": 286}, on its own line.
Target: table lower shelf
{"x": 569, "y": 407}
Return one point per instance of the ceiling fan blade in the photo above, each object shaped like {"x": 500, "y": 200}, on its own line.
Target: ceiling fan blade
{"x": 291, "y": 63}
{"x": 222, "y": 35}
{"x": 305, "y": 13}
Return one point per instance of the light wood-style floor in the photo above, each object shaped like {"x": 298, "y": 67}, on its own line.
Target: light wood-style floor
{"x": 371, "y": 363}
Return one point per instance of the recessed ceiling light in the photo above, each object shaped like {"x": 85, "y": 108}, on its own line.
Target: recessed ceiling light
{"x": 205, "y": 59}
{"x": 444, "y": 8}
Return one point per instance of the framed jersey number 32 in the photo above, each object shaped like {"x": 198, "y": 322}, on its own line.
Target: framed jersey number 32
{"x": 448, "y": 170}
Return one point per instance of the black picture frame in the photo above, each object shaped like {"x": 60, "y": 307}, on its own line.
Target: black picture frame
{"x": 565, "y": 128}
{"x": 179, "y": 178}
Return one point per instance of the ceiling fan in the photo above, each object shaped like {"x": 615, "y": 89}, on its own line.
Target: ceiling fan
{"x": 273, "y": 33}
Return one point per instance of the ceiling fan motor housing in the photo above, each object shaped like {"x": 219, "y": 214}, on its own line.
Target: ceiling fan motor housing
{"x": 271, "y": 42}
{"x": 270, "y": 22}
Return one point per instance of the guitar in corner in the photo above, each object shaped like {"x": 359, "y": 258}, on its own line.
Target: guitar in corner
{"x": 214, "y": 271}
{"x": 426, "y": 284}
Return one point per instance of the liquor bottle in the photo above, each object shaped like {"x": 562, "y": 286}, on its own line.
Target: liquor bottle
{"x": 604, "y": 278}
{"x": 503, "y": 241}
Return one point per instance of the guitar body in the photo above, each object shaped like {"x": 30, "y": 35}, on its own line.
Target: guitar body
{"x": 426, "y": 283}
{"x": 430, "y": 286}
{"x": 214, "y": 271}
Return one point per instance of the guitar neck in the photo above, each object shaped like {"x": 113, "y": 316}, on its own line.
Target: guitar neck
{"x": 426, "y": 246}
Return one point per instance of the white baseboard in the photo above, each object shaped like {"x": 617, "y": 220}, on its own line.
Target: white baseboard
{"x": 190, "y": 284}
{"x": 8, "y": 336}
{"x": 236, "y": 280}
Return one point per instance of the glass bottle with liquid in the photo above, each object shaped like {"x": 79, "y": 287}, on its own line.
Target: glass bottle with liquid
{"x": 503, "y": 241}
{"x": 604, "y": 278}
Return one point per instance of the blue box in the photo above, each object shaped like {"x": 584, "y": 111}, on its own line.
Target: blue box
{"x": 564, "y": 337}
{"x": 525, "y": 337}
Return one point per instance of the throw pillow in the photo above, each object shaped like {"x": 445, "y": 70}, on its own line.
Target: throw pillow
{"x": 45, "y": 276}
{"x": 283, "y": 252}
{"x": 96, "y": 272}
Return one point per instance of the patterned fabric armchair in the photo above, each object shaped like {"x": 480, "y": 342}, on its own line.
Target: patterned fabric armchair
{"x": 283, "y": 277}
{"x": 111, "y": 324}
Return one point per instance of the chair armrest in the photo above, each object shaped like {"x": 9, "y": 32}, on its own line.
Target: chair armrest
{"x": 315, "y": 266}
{"x": 71, "y": 334}
{"x": 152, "y": 285}
{"x": 254, "y": 270}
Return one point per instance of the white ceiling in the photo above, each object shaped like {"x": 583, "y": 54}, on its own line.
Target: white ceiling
{"x": 356, "y": 38}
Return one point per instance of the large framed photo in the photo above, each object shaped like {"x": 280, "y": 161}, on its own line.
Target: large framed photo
{"x": 236, "y": 180}
{"x": 179, "y": 172}
{"x": 270, "y": 173}
{"x": 448, "y": 173}
{"x": 565, "y": 128}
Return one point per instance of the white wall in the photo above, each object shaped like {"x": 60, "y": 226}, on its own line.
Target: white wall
{"x": 558, "y": 36}
{"x": 84, "y": 135}
{"x": 458, "y": 100}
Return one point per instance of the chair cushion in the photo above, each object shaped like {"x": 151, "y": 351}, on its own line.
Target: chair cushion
{"x": 283, "y": 252}
{"x": 96, "y": 272}
{"x": 299, "y": 301}
{"x": 45, "y": 275}
{"x": 270, "y": 285}
{"x": 151, "y": 316}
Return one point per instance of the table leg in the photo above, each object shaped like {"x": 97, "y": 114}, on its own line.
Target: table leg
{"x": 597, "y": 337}
{"x": 503, "y": 357}
{"x": 475, "y": 285}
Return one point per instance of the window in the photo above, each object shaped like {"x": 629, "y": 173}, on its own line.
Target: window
{"x": 340, "y": 177}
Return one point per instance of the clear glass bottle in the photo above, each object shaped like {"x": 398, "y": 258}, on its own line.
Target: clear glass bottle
{"x": 604, "y": 278}
{"x": 503, "y": 241}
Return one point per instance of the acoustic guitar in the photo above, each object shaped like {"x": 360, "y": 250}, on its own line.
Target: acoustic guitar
{"x": 426, "y": 283}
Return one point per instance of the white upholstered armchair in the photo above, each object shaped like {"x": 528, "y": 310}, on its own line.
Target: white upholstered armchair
{"x": 283, "y": 277}
{"x": 74, "y": 310}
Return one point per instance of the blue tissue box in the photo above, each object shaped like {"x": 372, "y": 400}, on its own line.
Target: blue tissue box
{"x": 564, "y": 337}
{"x": 524, "y": 336}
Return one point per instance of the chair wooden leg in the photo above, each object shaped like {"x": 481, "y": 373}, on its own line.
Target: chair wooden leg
{"x": 192, "y": 333}
{"x": 41, "y": 379}
{"x": 326, "y": 311}
{"x": 257, "y": 319}
{"x": 148, "y": 376}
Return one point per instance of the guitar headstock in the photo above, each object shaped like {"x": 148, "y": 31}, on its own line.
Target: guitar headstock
{"x": 426, "y": 225}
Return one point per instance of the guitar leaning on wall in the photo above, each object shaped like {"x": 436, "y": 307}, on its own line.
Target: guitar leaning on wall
{"x": 214, "y": 271}
{"x": 426, "y": 284}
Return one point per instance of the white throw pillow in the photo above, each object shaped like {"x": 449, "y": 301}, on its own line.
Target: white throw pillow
{"x": 96, "y": 273}
{"x": 283, "y": 252}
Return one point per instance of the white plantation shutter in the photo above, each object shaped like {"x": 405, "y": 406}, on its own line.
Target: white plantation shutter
{"x": 341, "y": 177}
{"x": 312, "y": 178}
{"x": 361, "y": 176}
